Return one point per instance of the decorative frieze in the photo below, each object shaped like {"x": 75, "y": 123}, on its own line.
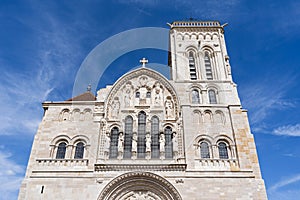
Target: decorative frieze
{"x": 139, "y": 167}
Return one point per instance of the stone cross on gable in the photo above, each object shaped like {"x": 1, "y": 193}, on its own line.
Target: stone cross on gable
{"x": 143, "y": 62}
{"x": 89, "y": 88}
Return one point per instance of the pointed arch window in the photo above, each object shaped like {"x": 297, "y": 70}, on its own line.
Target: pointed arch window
{"x": 128, "y": 137}
{"x": 208, "y": 68}
{"x": 114, "y": 136}
{"x": 169, "y": 144}
{"x": 192, "y": 66}
{"x": 195, "y": 96}
{"x": 155, "y": 137}
{"x": 223, "y": 153}
{"x": 204, "y": 150}
{"x": 79, "y": 150}
{"x": 61, "y": 150}
{"x": 212, "y": 97}
{"x": 141, "y": 147}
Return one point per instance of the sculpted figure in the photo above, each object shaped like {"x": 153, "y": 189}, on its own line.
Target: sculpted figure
{"x": 175, "y": 142}
{"x": 107, "y": 143}
{"x": 157, "y": 94}
{"x": 115, "y": 107}
{"x": 127, "y": 98}
{"x": 143, "y": 80}
{"x": 148, "y": 142}
{"x": 169, "y": 107}
{"x": 127, "y": 94}
{"x": 121, "y": 143}
{"x": 162, "y": 142}
{"x": 134, "y": 142}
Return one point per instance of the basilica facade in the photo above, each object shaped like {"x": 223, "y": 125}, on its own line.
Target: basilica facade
{"x": 147, "y": 137}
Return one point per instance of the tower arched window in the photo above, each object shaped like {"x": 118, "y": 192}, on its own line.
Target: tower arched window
{"x": 61, "y": 150}
{"x": 79, "y": 150}
{"x": 223, "y": 153}
{"x": 195, "y": 96}
{"x": 128, "y": 137}
{"x": 192, "y": 66}
{"x": 154, "y": 137}
{"x": 208, "y": 68}
{"x": 113, "y": 150}
{"x": 141, "y": 147}
{"x": 204, "y": 150}
{"x": 169, "y": 144}
{"x": 212, "y": 97}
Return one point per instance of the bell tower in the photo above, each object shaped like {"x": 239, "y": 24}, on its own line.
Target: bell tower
{"x": 198, "y": 51}
{"x": 217, "y": 138}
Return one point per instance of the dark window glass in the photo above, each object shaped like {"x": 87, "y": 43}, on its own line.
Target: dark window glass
{"x": 208, "y": 69}
{"x": 212, "y": 96}
{"x": 204, "y": 150}
{"x": 148, "y": 95}
{"x": 192, "y": 66}
{"x": 169, "y": 144}
{"x": 223, "y": 153}
{"x": 154, "y": 137}
{"x": 79, "y": 150}
{"x": 128, "y": 137}
{"x": 61, "y": 150}
{"x": 137, "y": 95}
{"x": 141, "y": 134}
{"x": 114, "y": 138}
{"x": 195, "y": 96}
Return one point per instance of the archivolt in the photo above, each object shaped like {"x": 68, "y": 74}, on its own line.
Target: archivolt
{"x": 148, "y": 183}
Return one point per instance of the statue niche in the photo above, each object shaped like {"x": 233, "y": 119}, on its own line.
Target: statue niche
{"x": 115, "y": 108}
{"x": 128, "y": 93}
{"x": 143, "y": 93}
{"x": 158, "y": 92}
{"x": 169, "y": 108}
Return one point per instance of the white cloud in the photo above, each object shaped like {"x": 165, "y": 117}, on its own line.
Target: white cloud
{"x": 11, "y": 176}
{"x": 283, "y": 190}
{"x": 263, "y": 98}
{"x": 289, "y": 130}
{"x": 284, "y": 195}
{"x": 285, "y": 182}
{"x": 53, "y": 65}
{"x": 23, "y": 94}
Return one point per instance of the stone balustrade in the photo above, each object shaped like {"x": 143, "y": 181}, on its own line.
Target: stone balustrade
{"x": 217, "y": 163}
{"x": 62, "y": 162}
{"x": 195, "y": 23}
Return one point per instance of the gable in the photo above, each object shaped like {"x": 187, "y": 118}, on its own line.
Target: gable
{"x": 142, "y": 88}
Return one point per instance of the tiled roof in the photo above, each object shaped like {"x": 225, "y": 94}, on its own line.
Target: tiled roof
{"x": 87, "y": 96}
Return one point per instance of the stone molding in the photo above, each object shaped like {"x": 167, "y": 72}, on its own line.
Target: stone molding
{"x": 139, "y": 181}
{"x": 140, "y": 167}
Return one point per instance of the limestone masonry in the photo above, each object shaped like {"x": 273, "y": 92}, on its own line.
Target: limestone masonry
{"x": 149, "y": 138}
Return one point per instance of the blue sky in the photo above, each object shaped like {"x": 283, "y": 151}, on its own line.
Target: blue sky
{"x": 43, "y": 43}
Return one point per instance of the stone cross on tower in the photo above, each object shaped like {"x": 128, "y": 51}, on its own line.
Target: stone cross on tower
{"x": 143, "y": 62}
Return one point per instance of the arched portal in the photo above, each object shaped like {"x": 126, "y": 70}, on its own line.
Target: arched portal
{"x": 139, "y": 185}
